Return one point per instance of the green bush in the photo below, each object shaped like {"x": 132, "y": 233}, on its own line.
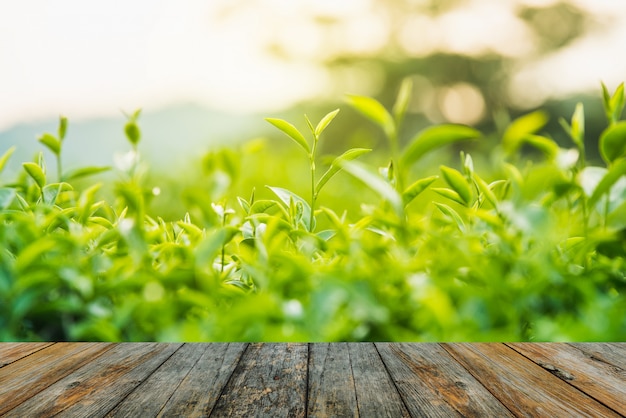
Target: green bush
{"x": 525, "y": 249}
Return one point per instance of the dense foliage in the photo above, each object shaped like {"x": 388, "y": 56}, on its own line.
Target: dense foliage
{"x": 523, "y": 248}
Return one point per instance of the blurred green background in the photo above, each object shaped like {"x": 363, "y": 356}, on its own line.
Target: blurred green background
{"x": 206, "y": 75}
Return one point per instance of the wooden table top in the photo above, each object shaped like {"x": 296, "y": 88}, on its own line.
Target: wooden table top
{"x": 319, "y": 379}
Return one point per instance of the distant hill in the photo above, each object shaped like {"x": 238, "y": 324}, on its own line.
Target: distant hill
{"x": 169, "y": 137}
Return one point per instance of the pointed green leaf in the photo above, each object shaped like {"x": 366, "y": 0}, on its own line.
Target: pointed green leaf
{"x": 447, "y": 210}
{"x": 613, "y": 142}
{"x": 291, "y": 132}
{"x": 402, "y": 101}
{"x": 335, "y": 166}
{"x": 457, "y": 181}
{"x": 485, "y": 190}
{"x": 449, "y": 194}
{"x": 36, "y": 173}
{"x": 376, "y": 183}
{"x": 374, "y": 111}
{"x": 326, "y": 120}
{"x": 51, "y": 191}
{"x": 83, "y": 172}
{"x": 5, "y": 157}
{"x": 132, "y": 132}
{"x": 416, "y": 188}
{"x": 260, "y": 206}
{"x": 287, "y": 197}
{"x": 245, "y": 205}
{"x": 309, "y": 124}
{"x": 62, "y": 127}
{"x": 543, "y": 144}
{"x": 435, "y": 137}
{"x": 578, "y": 126}
{"x": 521, "y": 127}
{"x": 51, "y": 142}
{"x": 617, "y": 170}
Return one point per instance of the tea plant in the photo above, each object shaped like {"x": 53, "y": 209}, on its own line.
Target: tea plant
{"x": 526, "y": 248}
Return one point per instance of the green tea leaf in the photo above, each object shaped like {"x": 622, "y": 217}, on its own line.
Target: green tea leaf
{"x": 326, "y": 120}
{"x": 132, "y": 132}
{"x": 578, "y": 126}
{"x": 447, "y": 210}
{"x": 416, "y": 188}
{"x": 260, "y": 206}
{"x": 613, "y": 142}
{"x": 457, "y": 181}
{"x": 62, "y": 128}
{"x": 83, "y": 172}
{"x": 52, "y": 191}
{"x": 435, "y": 137}
{"x": 5, "y": 157}
{"x": 617, "y": 170}
{"x": 521, "y": 127}
{"x": 335, "y": 166}
{"x": 51, "y": 142}
{"x": 375, "y": 112}
{"x": 36, "y": 173}
{"x": 376, "y": 183}
{"x": 291, "y": 132}
{"x": 486, "y": 191}
{"x": 543, "y": 144}
{"x": 287, "y": 197}
{"x": 449, "y": 194}
{"x": 402, "y": 101}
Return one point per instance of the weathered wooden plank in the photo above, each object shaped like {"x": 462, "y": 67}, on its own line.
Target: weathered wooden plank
{"x": 149, "y": 397}
{"x": 198, "y": 392}
{"x": 10, "y": 352}
{"x": 270, "y": 380}
{"x": 95, "y": 389}
{"x": 610, "y": 353}
{"x": 376, "y": 393}
{"x": 524, "y": 387}
{"x": 23, "y": 379}
{"x": 602, "y": 381}
{"x": 432, "y": 383}
{"x": 331, "y": 391}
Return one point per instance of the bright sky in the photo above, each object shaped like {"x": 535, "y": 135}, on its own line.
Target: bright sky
{"x": 86, "y": 59}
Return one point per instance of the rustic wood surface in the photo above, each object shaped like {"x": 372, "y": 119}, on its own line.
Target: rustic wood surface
{"x": 317, "y": 380}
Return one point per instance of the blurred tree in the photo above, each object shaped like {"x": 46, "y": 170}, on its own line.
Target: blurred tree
{"x": 463, "y": 55}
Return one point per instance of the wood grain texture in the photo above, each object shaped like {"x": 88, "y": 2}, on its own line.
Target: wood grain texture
{"x": 22, "y": 380}
{"x": 610, "y": 353}
{"x": 337, "y": 379}
{"x": 95, "y": 389}
{"x": 525, "y": 388}
{"x": 150, "y": 396}
{"x": 604, "y": 382}
{"x": 433, "y": 384}
{"x": 331, "y": 385}
{"x": 270, "y": 380}
{"x": 11, "y": 352}
{"x": 200, "y": 389}
{"x": 376, "y": 393}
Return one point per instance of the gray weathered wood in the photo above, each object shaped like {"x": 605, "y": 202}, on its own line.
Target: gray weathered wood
{"x": 270, "y": 380}
{"x": 198, "y": 392}
{"x": 149, "y": 397}
{"x": 10, "y": 352}
{"x": 376, "y": 393}
{"x": 331, "y": 386}
{"x": 433, "y": 384}
{"x": 95, "y": 389}
{"x": 602, "y": 381}
{"x": 610, "y": 353}
{"x": 524, "y": 387}
{"x": 22, "y": 380}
